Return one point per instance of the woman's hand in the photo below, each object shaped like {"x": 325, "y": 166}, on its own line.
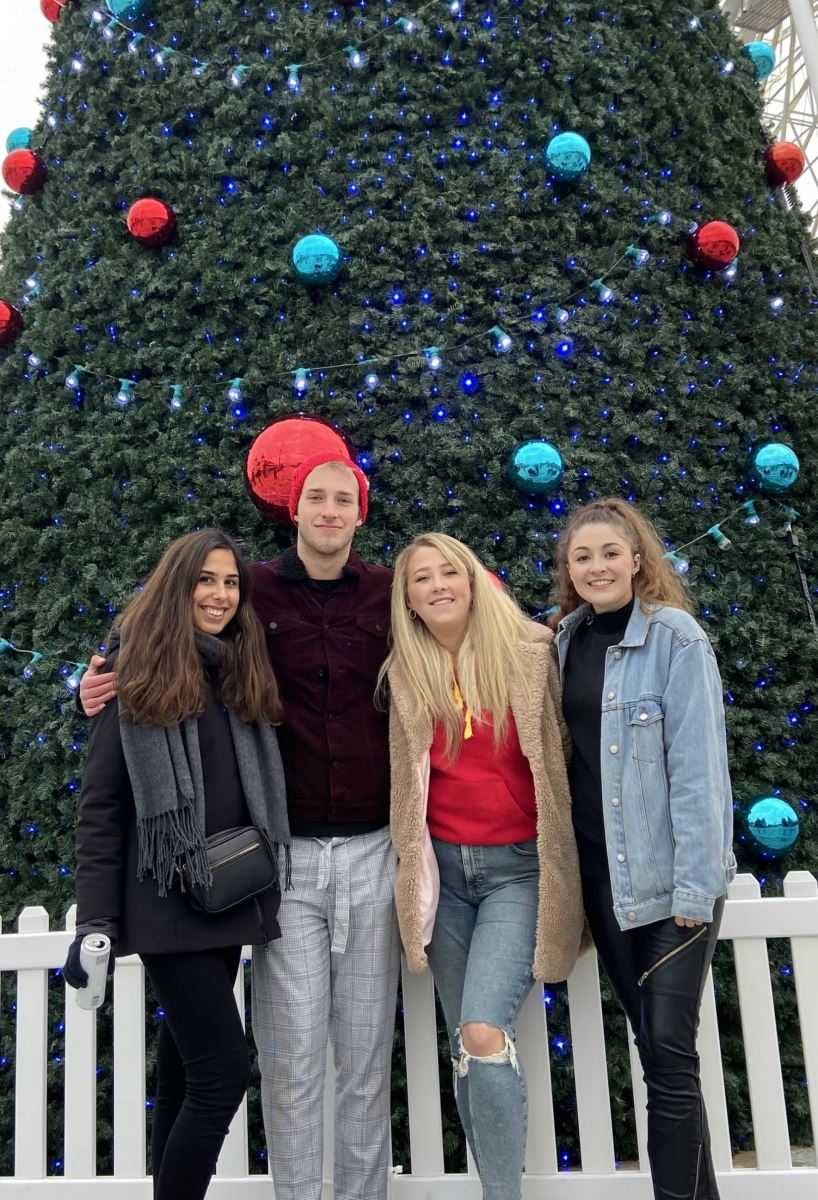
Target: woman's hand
{"x": 687, "y": 922}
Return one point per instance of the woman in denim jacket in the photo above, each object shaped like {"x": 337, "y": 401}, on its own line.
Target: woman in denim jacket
{"x": 652, "y": 808}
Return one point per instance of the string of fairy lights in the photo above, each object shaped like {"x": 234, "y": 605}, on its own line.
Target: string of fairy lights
{"x": 552, "y": 317}
{"x": 72, "y": 671}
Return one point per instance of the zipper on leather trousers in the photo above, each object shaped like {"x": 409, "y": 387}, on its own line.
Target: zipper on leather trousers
{"x": 671, "y": 954}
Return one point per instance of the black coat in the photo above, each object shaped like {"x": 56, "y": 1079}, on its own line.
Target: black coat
{"x": 107, "y": 887}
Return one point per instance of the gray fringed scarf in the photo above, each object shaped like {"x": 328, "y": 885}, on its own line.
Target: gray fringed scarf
{"x": 165, "y": 769}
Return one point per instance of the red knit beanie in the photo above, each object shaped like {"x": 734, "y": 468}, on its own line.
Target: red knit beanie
{"x": 328, "y": 456}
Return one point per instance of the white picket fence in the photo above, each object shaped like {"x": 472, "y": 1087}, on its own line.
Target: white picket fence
{"x": 748, "y": 921}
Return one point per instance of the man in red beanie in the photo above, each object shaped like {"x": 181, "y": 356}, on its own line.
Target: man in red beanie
{"x": 334, "y": 972}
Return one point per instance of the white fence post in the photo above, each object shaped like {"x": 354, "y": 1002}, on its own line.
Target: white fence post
{"x": 715, "y": 1100}
{"x": 755, "y": 995}
{"x": 129, "y": 1069}
{"x": 590, "y": 1068}
{"x": 532, "y": 1036}
{"x": 422, "y": 1072}
{"x": 805, "y": 970}
{"x": 80, "y": 1081}
{"x": 32, "y": 1045}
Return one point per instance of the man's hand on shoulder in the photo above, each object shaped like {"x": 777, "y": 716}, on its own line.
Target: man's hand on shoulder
{"x": 96, "y": 687}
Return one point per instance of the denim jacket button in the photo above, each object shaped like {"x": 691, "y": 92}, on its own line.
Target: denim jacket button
{"x": 631, "y": 916}
{"x": 611, "y": 695}
{"x": 615, "y": 802}
{"x": 643, "y": 716}
{"x": 617, "y": 653}
{"x": 620, "y": 858}
{"x": 614, "y": 749}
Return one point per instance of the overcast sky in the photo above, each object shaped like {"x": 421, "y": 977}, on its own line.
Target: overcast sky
{"x": 22, "y": 69}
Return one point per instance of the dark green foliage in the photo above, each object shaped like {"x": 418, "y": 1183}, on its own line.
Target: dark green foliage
{"x": 665, "y": 393}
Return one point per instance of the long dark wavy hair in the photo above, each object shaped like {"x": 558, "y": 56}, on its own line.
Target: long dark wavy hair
{"x": 161, "y": 679}
{"x": 655, "y": 582}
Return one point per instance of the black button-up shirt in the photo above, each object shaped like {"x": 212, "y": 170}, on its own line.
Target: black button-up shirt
{"x": 326, "y": 646}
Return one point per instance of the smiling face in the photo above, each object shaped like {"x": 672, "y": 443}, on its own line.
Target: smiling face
{"x": 439, "y": 595}
{"x": 328, "y": 512}
{"x": 602, "y": 565}
{"x": 216, "y": 595}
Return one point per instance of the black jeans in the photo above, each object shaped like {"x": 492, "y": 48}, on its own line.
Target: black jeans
{"x": 658, "y": 972}
{"x": 202, "y": 1067}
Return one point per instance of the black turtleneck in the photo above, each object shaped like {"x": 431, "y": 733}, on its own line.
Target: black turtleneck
{"x": 582, "y": 704}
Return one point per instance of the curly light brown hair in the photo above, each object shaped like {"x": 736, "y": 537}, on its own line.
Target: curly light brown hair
{"x": 656, "y": 582}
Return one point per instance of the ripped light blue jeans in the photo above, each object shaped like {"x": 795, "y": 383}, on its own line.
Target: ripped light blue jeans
{"x": 481, "y": 955}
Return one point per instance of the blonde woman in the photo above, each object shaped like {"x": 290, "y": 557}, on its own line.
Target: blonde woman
{"x": 488, "y": 881}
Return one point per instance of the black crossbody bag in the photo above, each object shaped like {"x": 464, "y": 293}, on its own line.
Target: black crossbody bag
{"x": 242, "y": 865}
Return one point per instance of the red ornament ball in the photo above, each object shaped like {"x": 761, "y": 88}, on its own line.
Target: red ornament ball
{"x": 714, "y": 245}
{"x": 52, "y": 9}
{"x": 24, "y": 172}
{"x": 277, "y": 451}
{"x": 151, "y": 221}
{"x": 785, "y": 162}
{"x": 11, "y": 323}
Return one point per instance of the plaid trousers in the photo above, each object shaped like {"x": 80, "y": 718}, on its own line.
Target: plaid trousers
{"x": 333, "y": 976}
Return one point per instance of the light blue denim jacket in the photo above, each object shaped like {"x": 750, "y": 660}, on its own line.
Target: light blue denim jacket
{"x": 666, "y": 795}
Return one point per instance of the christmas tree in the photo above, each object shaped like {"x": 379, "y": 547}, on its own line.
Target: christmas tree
{"x": 548, "y": 257}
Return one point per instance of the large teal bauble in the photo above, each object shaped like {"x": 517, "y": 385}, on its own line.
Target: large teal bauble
{"x": 774, "y": 467}
{"x": 536, "y": 468}
{"x": 317, "y": 259}
{"x": 770, "y": 824}
{"x": 128, "y": 10}
{"x": 19, "y": 139}
{"x": 762, "y": 56}
{"x": 567, "y": 156}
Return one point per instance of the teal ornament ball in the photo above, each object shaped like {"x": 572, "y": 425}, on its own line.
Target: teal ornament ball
{"x": 19, "y": 139}
{"x": 770, "y": 825}
{"x": 567, "y": 156}
{"x": 536, "y": 468}
{"x": 774, "y": 467}
{"x": 762, "y": 57}
{"x": 317, "y": 259}
{"x": 128, "y": 10}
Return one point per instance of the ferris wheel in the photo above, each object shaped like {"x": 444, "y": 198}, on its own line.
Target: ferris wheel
{"x": 791, "y": 91}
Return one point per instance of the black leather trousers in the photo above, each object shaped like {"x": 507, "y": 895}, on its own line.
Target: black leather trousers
{"x": 658, "y": 972}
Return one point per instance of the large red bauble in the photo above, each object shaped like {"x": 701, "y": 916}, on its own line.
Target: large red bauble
{"x": 151, "y": 221}
{"x": 11, "y": 323}
{"x": 785, "y": 162}
{"x": 714, "y": 245}
{"x": 277, "y": 451}
{"x": 51, "y": 9}
{"x": 24, "y": 172}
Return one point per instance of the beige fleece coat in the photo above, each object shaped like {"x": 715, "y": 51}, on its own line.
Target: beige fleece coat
{"x": 545, "y": 741}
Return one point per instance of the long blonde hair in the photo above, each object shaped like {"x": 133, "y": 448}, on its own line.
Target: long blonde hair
{"x": 656, "y": 582}
{"x": 485, "y": 660}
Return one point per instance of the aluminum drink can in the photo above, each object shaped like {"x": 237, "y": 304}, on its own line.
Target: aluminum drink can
{"x": 94, "y": 952}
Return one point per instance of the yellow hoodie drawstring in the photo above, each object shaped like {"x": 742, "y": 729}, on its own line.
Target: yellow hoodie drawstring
{"x": 458, "y": 699}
